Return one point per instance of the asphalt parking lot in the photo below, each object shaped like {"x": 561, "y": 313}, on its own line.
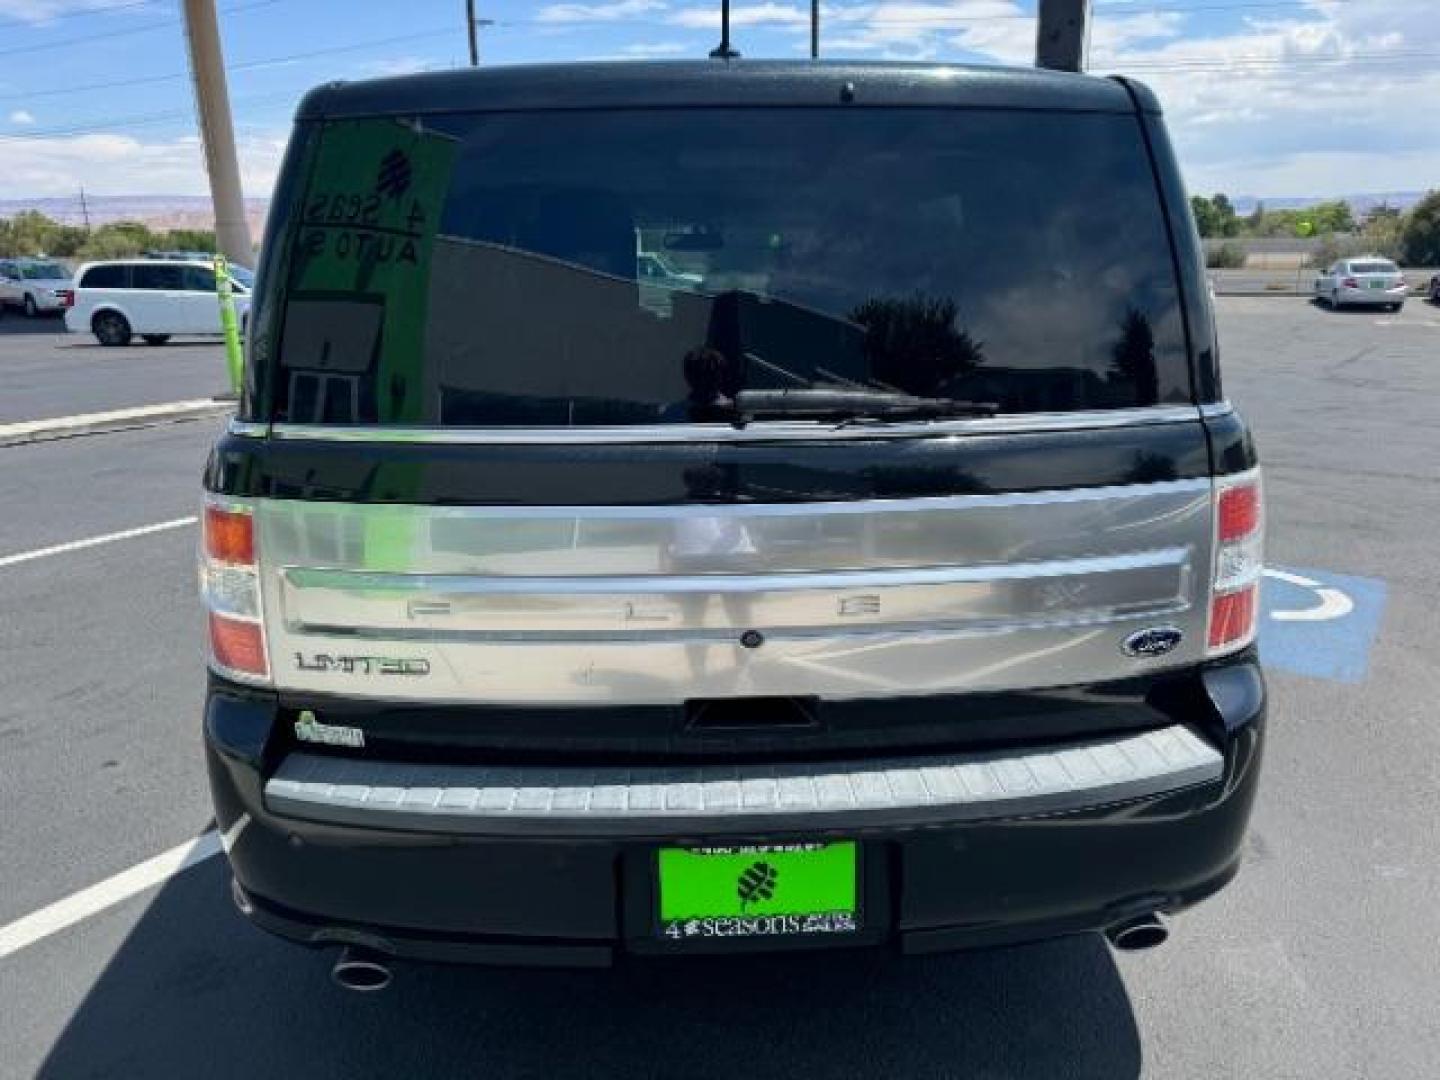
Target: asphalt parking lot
{"x": 45, "y": 372}
{"x": 1320, "y": 961}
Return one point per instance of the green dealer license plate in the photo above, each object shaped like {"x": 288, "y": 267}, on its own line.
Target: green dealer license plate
{"x": 759, "y": 891}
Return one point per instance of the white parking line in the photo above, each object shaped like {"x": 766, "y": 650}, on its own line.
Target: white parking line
{"x": 94, "y": 541}
{"x": 81, "y": 905}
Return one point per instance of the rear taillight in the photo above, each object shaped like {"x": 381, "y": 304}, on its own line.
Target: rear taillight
{"x": 1239, "y": 554}
{"x": 1349, "y": 283}
{"x": 230, "y": 588}
{"x": 66, "y": 297}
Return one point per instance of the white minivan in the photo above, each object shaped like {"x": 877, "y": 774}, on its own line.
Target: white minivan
{"x": 151, "y": 298}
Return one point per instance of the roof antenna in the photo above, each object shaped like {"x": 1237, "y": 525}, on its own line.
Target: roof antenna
{"x": 723, "y": 51}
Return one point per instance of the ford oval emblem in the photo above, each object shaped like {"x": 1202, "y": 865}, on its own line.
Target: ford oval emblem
{"x": 1152, "y": 641}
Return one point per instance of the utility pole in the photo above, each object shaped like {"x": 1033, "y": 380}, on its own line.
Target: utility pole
{"x": 472, "y": 24}
{"x": 1062, "y": 34}
{"x": 84, "y": 209}
{"x": 217, "y": 131}
{"x": 723, "y": 51}
{"x": 814, "y": 29}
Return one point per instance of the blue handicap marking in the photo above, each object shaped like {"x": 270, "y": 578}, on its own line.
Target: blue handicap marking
{"x": 1317, "y": 623}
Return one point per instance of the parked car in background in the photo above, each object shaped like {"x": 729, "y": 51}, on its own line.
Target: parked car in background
{"x": 1367, "y": 280}
{"x": 181, "y": 256}
{"x": 151, "y": 298}
{"x": 34, "y": 285}
{"x": 1434, "y": 292}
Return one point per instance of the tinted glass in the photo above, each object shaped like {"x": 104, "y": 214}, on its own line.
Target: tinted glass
{"x": 158, "y": 276}
{"x": 107, "y": 277}
{"x": 643, "y": 267}
{"x": 243, "y": 276}
{"x": 1378, "y": 266}
{"x": 199, "y": 279}
{"x": 43, "y": 271}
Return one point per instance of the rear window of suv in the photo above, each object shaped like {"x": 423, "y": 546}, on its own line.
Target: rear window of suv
{"x": 638, "y": 267}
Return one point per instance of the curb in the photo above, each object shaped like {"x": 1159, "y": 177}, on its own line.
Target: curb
{"x": 144, "y": 416}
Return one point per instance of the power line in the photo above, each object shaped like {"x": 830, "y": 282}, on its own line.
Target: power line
{"x": 109, "y": 9}
{"x": 248, "y": 65}
{"x": 84, "y": 39}
{"x": 1141, "y": 7}
{"x": 1197, "y": 63}
{"x": 127, "y": 122}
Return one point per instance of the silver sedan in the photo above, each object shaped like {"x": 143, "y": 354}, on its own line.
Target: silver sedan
{"x": 1366, "y": 280}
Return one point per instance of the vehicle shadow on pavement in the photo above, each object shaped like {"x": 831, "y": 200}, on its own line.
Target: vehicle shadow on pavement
{"x": 194, "y": 991}
{"x": 11, "y": 323}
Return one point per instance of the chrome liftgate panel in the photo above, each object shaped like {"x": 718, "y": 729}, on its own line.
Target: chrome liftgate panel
{"x": 656, "y": 605}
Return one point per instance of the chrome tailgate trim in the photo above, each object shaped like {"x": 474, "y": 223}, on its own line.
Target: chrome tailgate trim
{"x": 652, "y": 605}
{"x": 420, "y": 606}
{"x": 620, "y": 801}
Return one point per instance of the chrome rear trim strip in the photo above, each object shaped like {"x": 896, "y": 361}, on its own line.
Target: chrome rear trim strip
{"x": 765, "y": 431}
{"x": 359, "y": 582}
{"x": 675, "y": 512}
{"x": 248, "y": 429}
{"x": 617, "y": 801}
{"x": 446, "y": 607}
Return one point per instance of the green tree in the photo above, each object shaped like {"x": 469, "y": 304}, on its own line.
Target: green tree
{"x": 1214, "y": 216}
{"x": 1331, "y": 217}
{"x": 1226, "y": 223}
{"x": 30, "y": 233}
{"x": 1420, "y": 237}
{"x": 1204, "y": 215}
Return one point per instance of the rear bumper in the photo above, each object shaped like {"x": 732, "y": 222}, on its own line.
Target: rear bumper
{"x": 1372, "y": 297}
{"x": 973, "y": 868}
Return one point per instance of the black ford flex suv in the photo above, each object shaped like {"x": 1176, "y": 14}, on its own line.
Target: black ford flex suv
{"x": 679, "y": 508}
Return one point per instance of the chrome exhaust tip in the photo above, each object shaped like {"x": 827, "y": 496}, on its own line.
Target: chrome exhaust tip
{"x": 362, "y": 971}
{"x": 1135, "y": 935}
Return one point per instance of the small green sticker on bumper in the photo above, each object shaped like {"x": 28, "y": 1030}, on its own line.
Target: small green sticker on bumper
{"x": 759, "y": 890}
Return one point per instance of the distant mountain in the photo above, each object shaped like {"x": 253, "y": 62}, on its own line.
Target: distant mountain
{"x": 1359, "y": 204}
{"x": 194, "y": 212}
{"x": 157, "y": 211}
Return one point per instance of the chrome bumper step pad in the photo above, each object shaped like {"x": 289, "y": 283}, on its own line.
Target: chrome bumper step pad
{"x": 626, "y": 801}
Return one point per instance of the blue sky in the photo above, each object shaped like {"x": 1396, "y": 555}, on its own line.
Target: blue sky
{"x": 1267, "y": 97}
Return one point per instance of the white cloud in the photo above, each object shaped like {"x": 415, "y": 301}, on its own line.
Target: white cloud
{"x": 397, "y": 65}
{"x": 658, "y": 48}
{"x": 741, "y": 15}
{"x": 601, "y": 12}
{"x": 1298, "y": 105}
{"x": 123, "y": 165}
{"x": 41, "y": 12}
{"x": 1305, "y": 105}
{"x": 22, "y": 117}
{"x": 927, "y": 29}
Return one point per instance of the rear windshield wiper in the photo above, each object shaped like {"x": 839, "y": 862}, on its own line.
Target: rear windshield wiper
{"x": 830, "y": 403}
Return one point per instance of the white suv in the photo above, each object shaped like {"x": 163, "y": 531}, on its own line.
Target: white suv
{"x": 154, "y": 298}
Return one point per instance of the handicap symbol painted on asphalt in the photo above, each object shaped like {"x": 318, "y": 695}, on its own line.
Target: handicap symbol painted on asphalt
{"x": 1320, "y": 624}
